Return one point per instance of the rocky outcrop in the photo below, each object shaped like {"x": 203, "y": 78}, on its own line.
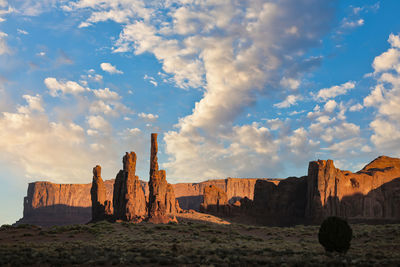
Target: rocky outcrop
{"x": 158, "y": 186}
{"x": 101, "y": 207}
{"x": 190, "y": 195}
{"x": 278, "y": 203}
{"x": 215, "y": 200}
{"x": 171, "y": 203}
{"x": 128, "y": 199}
{"x": 48, "y": 204}
{"x": 370, "y": 194}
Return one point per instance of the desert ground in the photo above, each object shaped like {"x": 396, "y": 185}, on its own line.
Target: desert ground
{"x": 198, "y": 239}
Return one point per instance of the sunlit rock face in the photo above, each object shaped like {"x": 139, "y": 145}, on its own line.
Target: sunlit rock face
{"x": 128, "y": 199}
{"x": 48, "y": 204}
{"x": 215, "y": 200}
{"x": 371, "y": 193}
{"x": 158, "y": 188}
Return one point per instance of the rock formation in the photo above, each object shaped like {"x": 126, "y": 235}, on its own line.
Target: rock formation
{"x": 215, "y": 200}
{"x": 171, "y": 203}
{"x": 372, "y": 193}
{"x": 48, "y": 204}
{"x": 101, "y": 207}
{"x": 157, "y": 208}
{"x": 128, "y": 199}
{"x": 278, "y": 203}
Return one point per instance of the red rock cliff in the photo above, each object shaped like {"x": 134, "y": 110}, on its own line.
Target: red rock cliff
{"x": 59, "y": 204}
{"x": 372, "y": 193}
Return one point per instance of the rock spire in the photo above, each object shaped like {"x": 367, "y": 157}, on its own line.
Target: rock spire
{"x": 128, "y": 199}
{"x": 101, "y": 208}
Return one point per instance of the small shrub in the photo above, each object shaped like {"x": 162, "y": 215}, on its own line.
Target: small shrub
{"x": 335, "y": 235}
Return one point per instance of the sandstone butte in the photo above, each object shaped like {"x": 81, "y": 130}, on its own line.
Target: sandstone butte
{"x": 369, "y": 195}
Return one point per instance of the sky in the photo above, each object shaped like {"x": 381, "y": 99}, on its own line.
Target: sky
{"x": 253, "y": 88}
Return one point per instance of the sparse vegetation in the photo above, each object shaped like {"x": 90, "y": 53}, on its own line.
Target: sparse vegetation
{"x": 191, "y": 243}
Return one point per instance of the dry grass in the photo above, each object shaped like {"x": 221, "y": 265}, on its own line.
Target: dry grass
{"x": 192, "y": 243}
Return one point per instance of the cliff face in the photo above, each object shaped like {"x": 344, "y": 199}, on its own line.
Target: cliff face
{"x": 57, "y": 204}
{"x": 190, "y": 195}
{"x": 279, "y": 203}
{"x": 372, "y": 193}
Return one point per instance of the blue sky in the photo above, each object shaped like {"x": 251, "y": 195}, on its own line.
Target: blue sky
{"x": 234, "y": 88}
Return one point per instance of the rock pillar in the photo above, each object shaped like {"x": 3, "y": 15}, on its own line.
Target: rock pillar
{"x": 158, "y": 187}
{"x": 101, "y": 208}
{"x": 129, "y": 200}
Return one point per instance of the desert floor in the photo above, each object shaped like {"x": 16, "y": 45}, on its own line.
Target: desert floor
{"x": 203, "y": 240}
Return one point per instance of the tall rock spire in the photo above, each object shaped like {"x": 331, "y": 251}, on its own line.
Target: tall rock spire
{"x": 101, "y": 208}
{"x": 158, "y": 187}
{"x": 129, "y": 200}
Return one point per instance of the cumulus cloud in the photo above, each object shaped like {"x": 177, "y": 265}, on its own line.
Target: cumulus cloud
{"x": 290, "y": 83}
{"x": 289, "y": 101}
{"x": 330, "y": 106}
{"x": 34, "y": 104}
{"x": 233, "y": 51}
{"x": 107, "y": 67}
{"x": 98, "y": 122}
{"x": 44, "y": 149}
{"x": 106, "y": 93}
{"x": 356, "y": 107}
{"x": 68, "y": 87}
{"x": 148, "y": 116}
{"x": 394, "y": 40}
{"x": 334, "y": 91}
{"x": 385, "y": 98}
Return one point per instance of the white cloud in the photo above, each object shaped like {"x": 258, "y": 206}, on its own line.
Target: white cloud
{"x": 107, "y": 67}
{"x": 330, "y": 106}
{"x": 356, "y": 107}
{"x": 98, "y": 122}
{"x": 20, "y": 31}
{"x": 106, "y": 93}
{"x": 34, "y": 103}
{"x": 5, "y": 9}
{"x": 394, "y": 40}
{"x": 3, "y": 44}
{"x": 385, "y": 97}
{"x": 388, "y": 60}
{"x": 334, "y": 91}
{"x": 68, "y": 87}
{"x": 44, "y": 149}
{"x": 134, "y": 131}
{"x": 289, "y": 101}
{"x": 233, "y": 51}
{"x": 148, "y": 116}
{"x": 151, "y": 80}
{"x": 92, "y": 132}
{"x": 3, "y": 3}
{"x": 290, "y": 83}
{"x": 98, "y": 107}
{"x": 352, "y": 23}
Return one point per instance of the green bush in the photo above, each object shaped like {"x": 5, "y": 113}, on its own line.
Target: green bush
{"x": 335, "y": 234}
